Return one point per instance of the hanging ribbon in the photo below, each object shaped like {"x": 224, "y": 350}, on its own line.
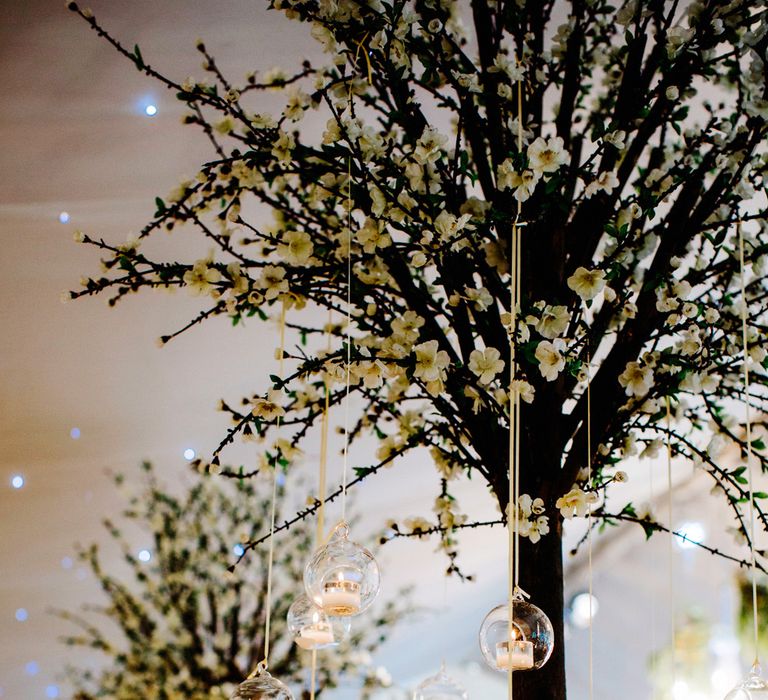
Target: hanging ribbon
{"x": 263, "y": 665}
{"x": 321, "y": 491}
{"x": 747, "y": 417}
{"x": 670, "y": 552}
{"x": 514, "y": 408}
{"x": 589, "y": 523}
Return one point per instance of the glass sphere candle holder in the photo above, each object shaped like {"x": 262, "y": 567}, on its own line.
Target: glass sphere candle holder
{"x": 753, "y": 687}
{"x": 439, "y": 687}
{"x": 523, "y": 645}
{"x": 312, "y": 628}
{"x": 262, "y": 686}
{"x": 342, "y": 577}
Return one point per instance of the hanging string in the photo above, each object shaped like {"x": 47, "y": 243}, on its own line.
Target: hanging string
{"x": 263, "y": 665}
{"x": 322, "y": 480}
{"x": 670, "y": 551}
{"x": 747, "y": 396}
{"x": 313, "y": 675}
{"x": 654, "y": 657}
{"x": 348, "y": 362}
{"x": 514, "y": 409}
{"x": 589, "y": 523}
{"x": 321, "y": 490}
{"x": 345, "y": 469}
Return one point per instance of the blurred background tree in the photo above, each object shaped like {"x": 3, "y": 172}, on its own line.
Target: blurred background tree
{"x": 188, "y": 627}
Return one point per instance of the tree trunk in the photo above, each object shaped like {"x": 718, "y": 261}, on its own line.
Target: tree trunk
{"x": 541, "y": 576}
{"x": 541, "y": 564}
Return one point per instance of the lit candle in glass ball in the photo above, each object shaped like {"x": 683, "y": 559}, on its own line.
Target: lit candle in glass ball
{"x": 341, "y": 596}
{"x": 315, "y": 635}
{"x": 516, "y": 654}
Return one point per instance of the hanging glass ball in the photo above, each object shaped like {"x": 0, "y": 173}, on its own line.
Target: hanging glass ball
{"x": 439, "y": 687}
{"x": 753, "y": 687}
{"x": 262, "y": 687}
{"x": 342, "y": 577}
{"x": 526, "y": 646}
{"x": 312, "y": 628}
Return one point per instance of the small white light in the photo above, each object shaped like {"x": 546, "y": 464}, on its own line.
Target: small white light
{"x": 22, "y": 615}
{"x": 238, "y": 550}
{"x": 150, "y": 110}
{"x": 52, "y": 691}
{"x": 691, "y": 534}
{"x": 17, "y": 481}
{"x": 67, "y": 563}
{"x": 145, "y": 555}
{"x": 581, "y": 614}
{"x": 75, "y": 433}
{"x": 189, "y": 454}
{"x": 32, "y": 668}
{"x": 64, "y": 217}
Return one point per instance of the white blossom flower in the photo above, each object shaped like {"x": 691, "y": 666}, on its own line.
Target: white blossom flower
{"x": 575, "y": 502}
{"x": 469, "y": 81}
{"x": 373, "y": 236}
{"x": 428, "y": 146}
{"x": 605, "y": 181}
{"x": 448, "y": 226}
{"x": 537, "y": 528}
{"x": 691, "y": 342}
{"x": 551, "y": 360}
{"x": 481, "y": 298}
{"x": 511, "y": 68}
{"x": 526, "y": 391}
{"x": 430, "y": 365}
{"x": 406, "y": 327}
{"x": 553, "y": 321}
{"x": 486, "y": 364}
{"x": 272, "y": 281}
{"x": 677, "y": 37}
{"x": 296, "y": 247}
{"x": 617, "y": 139}
{"x": 523, "y": 184}
{"x": 283, "y": 146}
{"x": 587, "y": 283}
{"x": 201, "y": 278}
{"x": 298, "y": 101}
{"x": 546, "y": 156}
{"x": 371, "y": 372}
{"x": 269, "y": 408}
{"x": 636, "y": 379}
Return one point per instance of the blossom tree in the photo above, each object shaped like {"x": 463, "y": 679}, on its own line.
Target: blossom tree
{"x": 625, "y": 139}
{"x": 186, "y": 627}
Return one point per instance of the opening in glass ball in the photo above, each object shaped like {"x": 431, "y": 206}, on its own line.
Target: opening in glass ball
{"x": 753, "y": 687}
{"x": 342, "y": 577}
{"x": 524, "y": 645}
{"x": 439, "y": 687}
{"x": 262, "y": 687}
{"x": 312, "y": 628}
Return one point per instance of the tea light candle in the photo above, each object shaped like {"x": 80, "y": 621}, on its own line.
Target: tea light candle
{"x": 518, "y": 655}
{"x": 341, "y": 597}
{"x": 315, "y": 635}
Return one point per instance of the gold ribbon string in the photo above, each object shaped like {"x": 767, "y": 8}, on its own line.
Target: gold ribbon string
{"x": 670, "y": 552}
{"x": 589, "y": 524}
{"x": 345, "y": 470}
{"x": 514, "y": 408}
{"x": 263, "y": 665}
{"x": 321, "y": 490}
{"x": 748, "y": 419}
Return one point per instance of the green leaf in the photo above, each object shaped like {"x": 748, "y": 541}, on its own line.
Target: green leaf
{"x": 138, "y": 59}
